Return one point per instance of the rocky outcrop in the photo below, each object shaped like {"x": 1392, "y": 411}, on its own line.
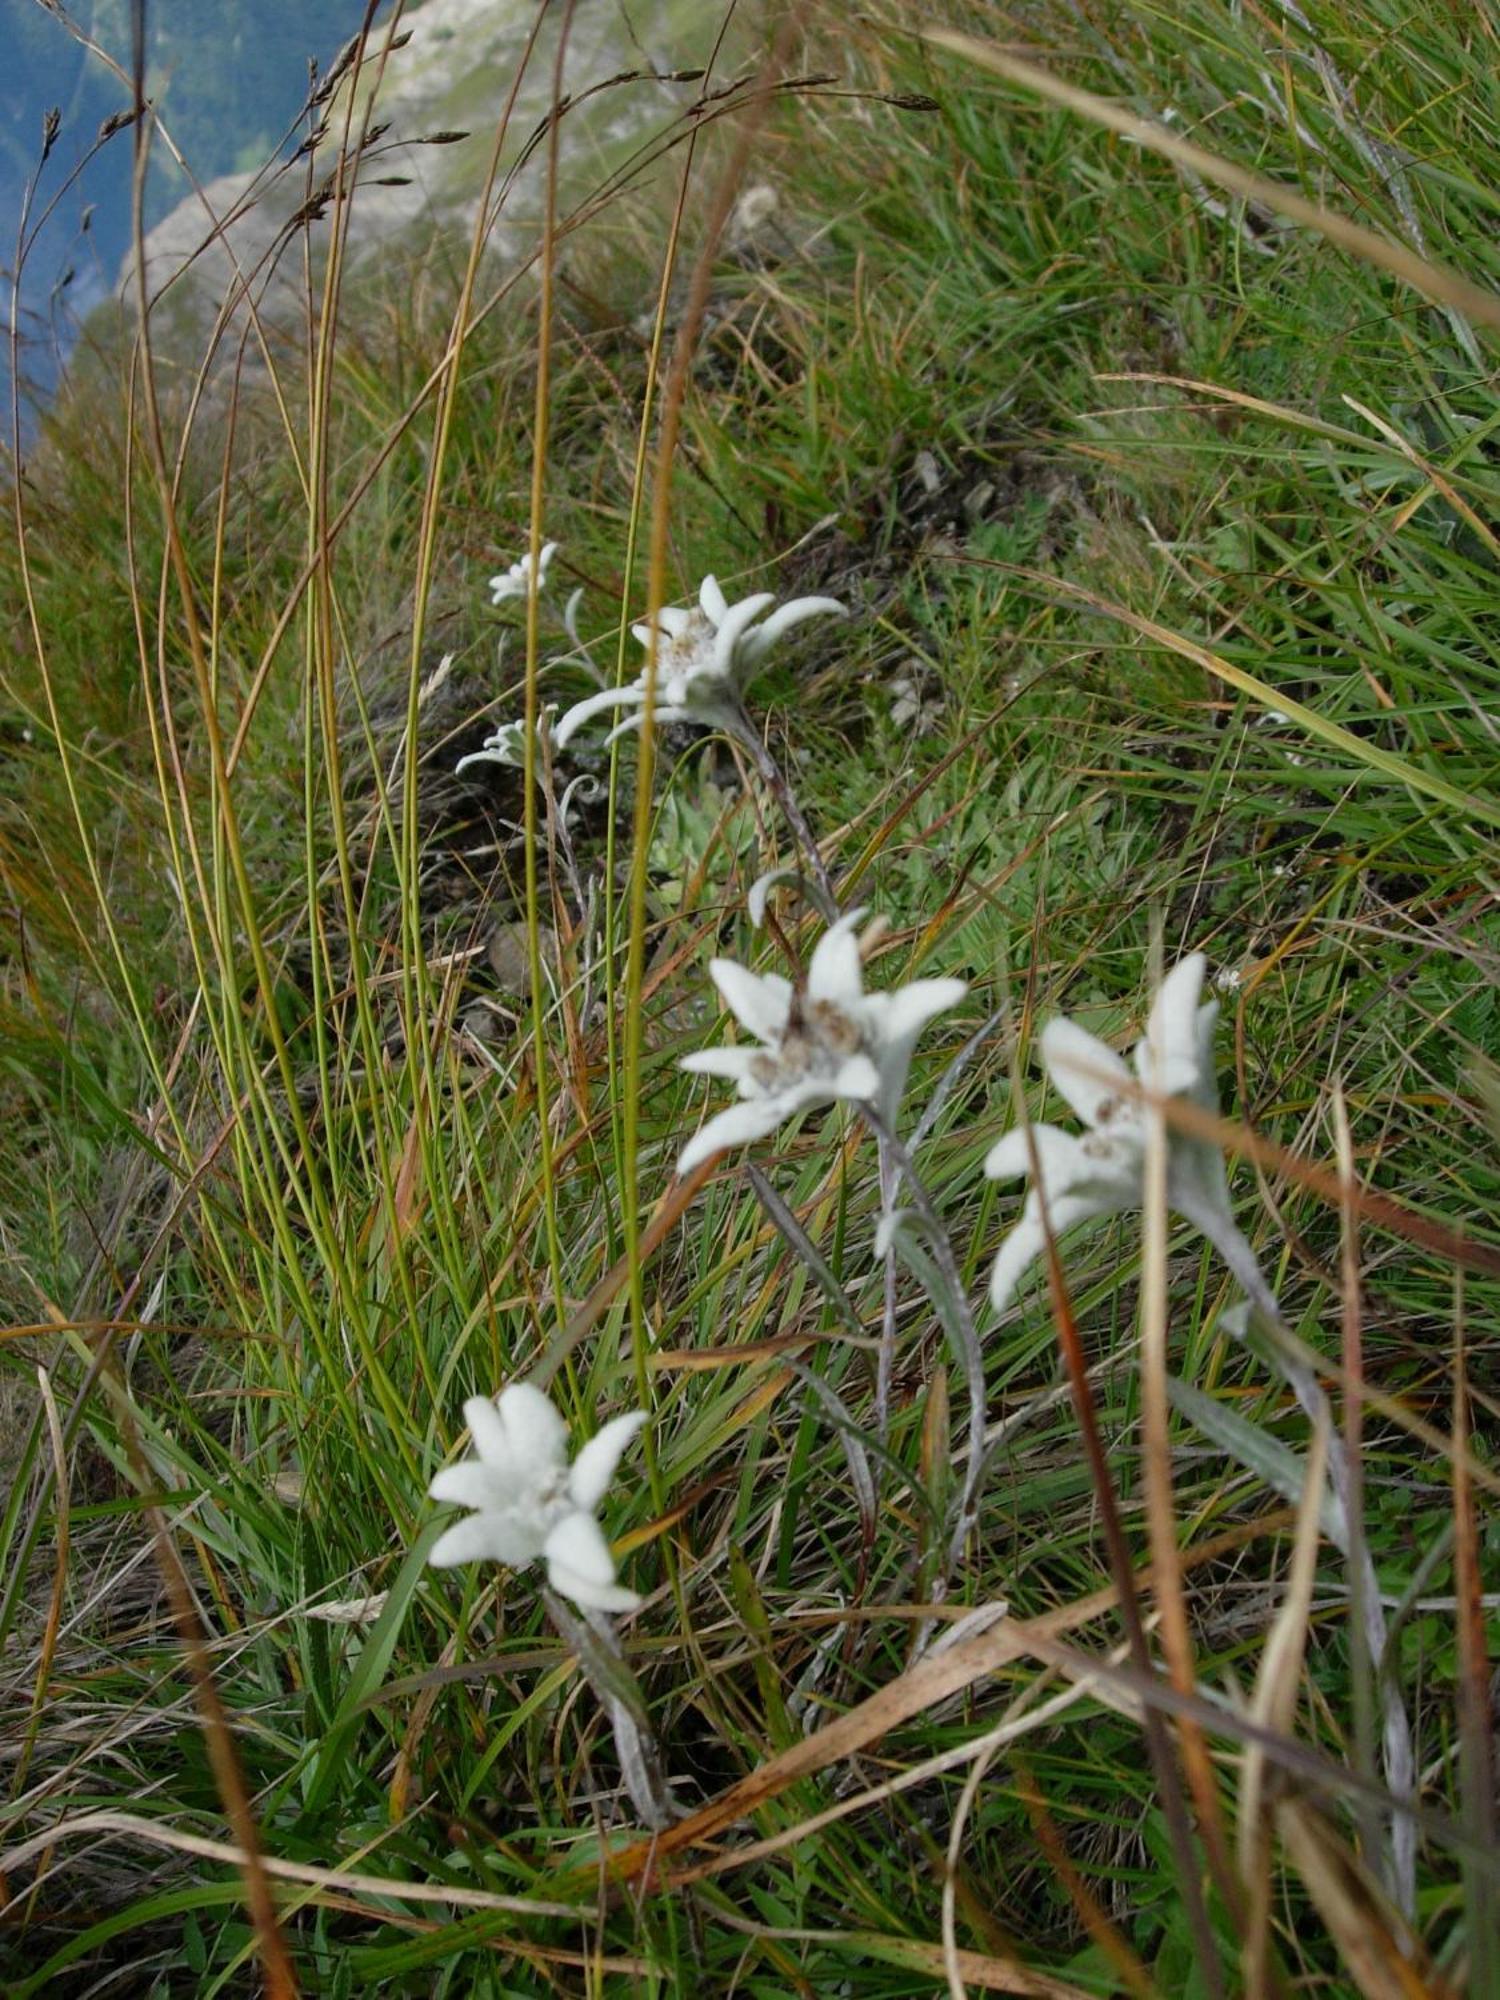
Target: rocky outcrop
{"x": 434, "y": 103}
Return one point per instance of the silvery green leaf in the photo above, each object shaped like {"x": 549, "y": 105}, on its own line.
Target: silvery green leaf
{"x": 807, "y": 1251}
{"x": 924, "y": 1268}
{"x": 600, "y": 1664}
{"x": 859, "y": 1448}
{"x": 1267, "y": 1457}
{"x": 619, "y": 1693}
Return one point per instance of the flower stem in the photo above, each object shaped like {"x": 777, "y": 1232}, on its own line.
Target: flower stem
{"x": 965, "y": 1333}
{"x": 1398, "y": 1755}
{"x": 738, "y": 725}
{"x": 890, "y": 1182}
{"x": 601, "y": 1659}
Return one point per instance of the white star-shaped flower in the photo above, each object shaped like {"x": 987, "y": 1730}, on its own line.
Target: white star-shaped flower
{"x": 826, "y": 1041}
{"x": 516, "y": 581}
{"x": 507, "y": 744}
{"x": 528, "y": 1501}
{"x": 1102, "y": 1171}
{"x": 705, "y": 659}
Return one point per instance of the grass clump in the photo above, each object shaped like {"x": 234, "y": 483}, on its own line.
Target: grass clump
{"x": 341, "y": 1086}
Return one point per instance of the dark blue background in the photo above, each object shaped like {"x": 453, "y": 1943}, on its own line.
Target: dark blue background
{"x": 228, "y": 76}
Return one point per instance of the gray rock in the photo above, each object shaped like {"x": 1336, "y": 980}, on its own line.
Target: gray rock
{"x": 453, "y": 76}
{"x": 509, "y": 956}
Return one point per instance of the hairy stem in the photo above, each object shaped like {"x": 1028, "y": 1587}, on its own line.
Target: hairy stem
{"x": 601, "y": 1660}
{"x": 890, "y": 1182}
{"x": 1398, "y": 1755}
{"x": 967, "y": 1336}
{"x": 739, "y": 725}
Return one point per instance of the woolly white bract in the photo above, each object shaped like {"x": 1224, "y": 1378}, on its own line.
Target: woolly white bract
{"x": 827, "y": 1041}
{"x": 527, "y": 1501}
{"x": 705, "y": 659}
{"x": 507, "y": 744}
{"x": 1102, "y": 1172}
{"x": 516, "y": 581}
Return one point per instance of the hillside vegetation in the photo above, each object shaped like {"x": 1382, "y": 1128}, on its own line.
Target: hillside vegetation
{"x": 1130, "y": 1638}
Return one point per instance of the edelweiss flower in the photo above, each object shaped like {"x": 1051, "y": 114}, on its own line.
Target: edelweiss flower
{"x": 705, "y": 659}
{"x": 826, "y": 1041}
{"x": 516, "y": 581}
{"x": 528, "y": 1502}
{"x": 507, "y": 744}
{"x": 1103, "y": 1172}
